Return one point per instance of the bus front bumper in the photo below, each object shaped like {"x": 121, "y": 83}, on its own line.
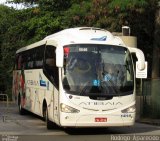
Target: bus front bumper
{"x": 69, "y": 120}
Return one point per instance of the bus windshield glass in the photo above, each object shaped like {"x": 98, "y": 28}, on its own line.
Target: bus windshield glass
{"x": 97, "y": 70}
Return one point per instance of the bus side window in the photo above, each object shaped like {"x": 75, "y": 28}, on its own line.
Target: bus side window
{"x": 39, "y": 53}
{"x": 25, "y": 57}
{"x": 50, "y": 65}
{"x": 29, "y": 59}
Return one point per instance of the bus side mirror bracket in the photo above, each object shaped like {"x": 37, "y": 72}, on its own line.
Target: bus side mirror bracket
{"x": 59, "y": 56}
{"x": 141, "y": 64}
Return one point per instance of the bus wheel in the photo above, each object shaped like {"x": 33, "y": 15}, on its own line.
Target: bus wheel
{"x": 49, "y": 124}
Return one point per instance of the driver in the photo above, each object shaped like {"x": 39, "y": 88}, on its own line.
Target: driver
{"x": 82, "y": 66}
{"x": 78, "y": 72}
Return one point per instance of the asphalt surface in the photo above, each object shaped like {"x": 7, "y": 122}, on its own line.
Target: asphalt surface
{"x": 15, "y": 127}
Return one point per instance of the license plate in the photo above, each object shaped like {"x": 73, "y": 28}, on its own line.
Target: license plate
{"x": 99, "y": 119}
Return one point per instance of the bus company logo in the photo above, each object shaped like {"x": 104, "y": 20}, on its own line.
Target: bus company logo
{"x": 103, "y": 38}
{"x": 42, "y": 83}
{"x": 32, "y": 82}
{"x": 104, "y": 103}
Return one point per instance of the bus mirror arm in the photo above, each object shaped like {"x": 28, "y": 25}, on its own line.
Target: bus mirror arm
{"x": 59, "y": 56}
{"x": 140, "y": 57}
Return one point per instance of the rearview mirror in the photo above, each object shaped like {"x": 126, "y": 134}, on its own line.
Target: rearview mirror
{"x": 141, "y": 65}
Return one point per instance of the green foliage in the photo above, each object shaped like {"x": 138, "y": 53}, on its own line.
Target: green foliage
{"x": 7, "y": 19}
{"x": 76, "y": 15}
{"x": 123, "y": 5}
{"x": 54, "y": 5}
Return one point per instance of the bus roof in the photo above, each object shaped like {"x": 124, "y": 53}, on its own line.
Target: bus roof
{"x": 78, "y": 35}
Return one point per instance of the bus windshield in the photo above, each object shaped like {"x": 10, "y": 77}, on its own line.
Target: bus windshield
{"x": 97, "y": 70}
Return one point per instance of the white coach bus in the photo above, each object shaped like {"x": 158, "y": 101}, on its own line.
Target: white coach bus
{"x": 78, "y": 77}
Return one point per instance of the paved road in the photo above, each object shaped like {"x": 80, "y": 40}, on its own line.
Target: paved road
{"x": 29, "y": 126}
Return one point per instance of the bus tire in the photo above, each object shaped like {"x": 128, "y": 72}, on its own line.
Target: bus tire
{"x": 49, "y": 124}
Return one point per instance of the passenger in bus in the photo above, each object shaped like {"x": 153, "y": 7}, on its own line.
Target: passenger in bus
{"x": 110, "y": 74}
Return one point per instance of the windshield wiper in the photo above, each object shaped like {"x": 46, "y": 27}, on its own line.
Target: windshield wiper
{"x": 105, "y": 85}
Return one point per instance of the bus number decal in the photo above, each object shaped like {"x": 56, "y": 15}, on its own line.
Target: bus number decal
{"x": 83, "y": 49}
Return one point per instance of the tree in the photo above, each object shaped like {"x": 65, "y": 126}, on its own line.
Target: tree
{"x": 6, "y": 21}
{"x": 76, "y": 15}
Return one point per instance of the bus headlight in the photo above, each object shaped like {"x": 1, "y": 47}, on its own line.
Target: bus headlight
{"x": 67, "y": 109}
{"x": 130, "y": 109}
